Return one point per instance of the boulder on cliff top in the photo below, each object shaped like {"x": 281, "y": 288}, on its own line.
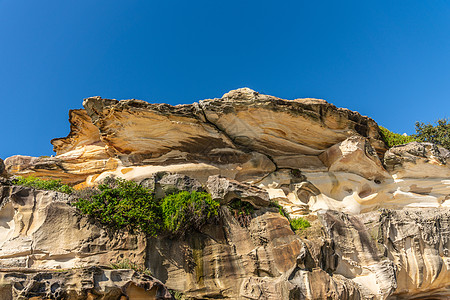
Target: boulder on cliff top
{"x": 355, "y": 155}
{"x": 418, "y": 160}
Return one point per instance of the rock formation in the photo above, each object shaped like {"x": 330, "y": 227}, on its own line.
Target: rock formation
{"x": 380, "y": 217}
{"x": 79, "y": 283}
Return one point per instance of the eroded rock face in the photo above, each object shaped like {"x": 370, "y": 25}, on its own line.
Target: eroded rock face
{"x": 73, "y": 167}
{"x": 376, "y": 255}
{"x": 286, "y": 127}
{"x": 244, "y": 136}
{"x": 82, "y": 133}
{"x": 418, "y": 160}
{"x": 39, "y": 229}
{"x": 355, "y": 155}
{"x": 2, "y": 168}
{"x": 418, "y": 243}
{"x": 79, "y": 284}
{"x": 380, "y": 230}
{"x": 225, "y": 190}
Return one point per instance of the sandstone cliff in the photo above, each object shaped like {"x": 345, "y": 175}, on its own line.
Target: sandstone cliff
{"x": 380, "y": 216}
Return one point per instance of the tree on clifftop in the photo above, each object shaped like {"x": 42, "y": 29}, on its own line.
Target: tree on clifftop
{"x": 438, "y": 134}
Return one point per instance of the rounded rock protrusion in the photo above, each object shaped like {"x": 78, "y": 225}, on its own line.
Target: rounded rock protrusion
{"x": 2, "y": 168}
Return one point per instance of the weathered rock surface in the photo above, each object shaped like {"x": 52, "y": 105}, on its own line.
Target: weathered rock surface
{"x": 2, "y": 168}
{"x": 418, "y": 160}
{"x": 39, "y": 229}
{"x": 381, "y": 228}
{"x": 79, "y": 284}
{"x": 418, "y": 243}
{"x": 244, "y": 136}
{"x": 225, "y": 190}
{"x": 399, "y": 254}
{"x": 72, "y": 167}
{"x": 164, "y": 184}
{"x": 286, "y": 127}
{"x": 355, "y": 155}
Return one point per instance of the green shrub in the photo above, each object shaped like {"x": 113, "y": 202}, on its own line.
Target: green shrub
{"x": 121, "y": 204}
{"x": 299, "y": 224}
{"x": 126, "y": 264}
{"x": 241, "y": 207}
{"x": 184, "y": 211}
{"x": 242, "y": 211}
{"x": 393, "y": 139}
{"x": 438, "y": 134}
{"x": 176, "y": 294}
{"x": 281, "y": 209}
{"x": 41, "y": 184}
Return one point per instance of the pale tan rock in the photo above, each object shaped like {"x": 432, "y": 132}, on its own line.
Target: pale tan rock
{"x": 417, "y": 242}
{"x": 256, "y": 167}
{"x": 262, "y": 260}
{"x": 39, "y": 229}
{"x": 71, "y": 167}
{"x": 355, "y": 155}
{"x": 280, "y": 127}
{"x": 244, "y": 131}
{"x": 418, "y": 160}
{"x": 79, "y": 284}
{"x": 225, "y": 190}
{"x": 306, "y": 154}
{"x": 82, "y": 133}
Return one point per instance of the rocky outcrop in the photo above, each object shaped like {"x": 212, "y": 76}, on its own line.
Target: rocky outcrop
{"x": 244, "y": 136}
{"x": 418, "y": 160}
{"x": 39, "y": 229}
{"x": 225, "y": 190}
{"x": 2, "y": 168}
{"x": 72, "y": 167}
{"x": 79, "y": 284}
{"x": 47, "y": 249}
{"x": 357, "y": 156}
{"x": 417, "y": 242}
{"x": 380, "y": 218}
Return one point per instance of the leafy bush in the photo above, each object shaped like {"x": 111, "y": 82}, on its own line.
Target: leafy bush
{"x": 42, "y": 184}
{"x": 299, "y": 223}
{"x": 242, "y": 211}
{"x": 393, "y": 139}
{"x": 438, "y": 134}
{"x": 184, "y": 211}
{"x": 177, "y": 295}
{"x": 121, "y": 204}
{"x": 281, "y": 209}
{"x": 126, "y": 264}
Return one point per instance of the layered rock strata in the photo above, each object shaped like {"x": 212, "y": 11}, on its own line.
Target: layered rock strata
{"x": 79, "y": 284}
{"x": 244, "y": 135}
{"x": 380, "y": 216}
{"x": 386, "y": 254}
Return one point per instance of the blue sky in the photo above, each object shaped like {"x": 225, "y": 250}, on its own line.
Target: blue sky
{"x": 389, "y": 60}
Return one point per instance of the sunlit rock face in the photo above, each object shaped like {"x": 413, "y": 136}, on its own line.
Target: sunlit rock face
{"x": 39, "y": 229}
{"x": 79, "y": 284}
{"x": 386, "y": 254}
{"x": 417, "y": 242}
{"x": 244, "y": 135}
{"x": 418, "y": 160}
{"x": 380, "y": 227}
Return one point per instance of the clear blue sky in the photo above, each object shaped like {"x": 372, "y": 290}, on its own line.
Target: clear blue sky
{"x": 389, "y": 60}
